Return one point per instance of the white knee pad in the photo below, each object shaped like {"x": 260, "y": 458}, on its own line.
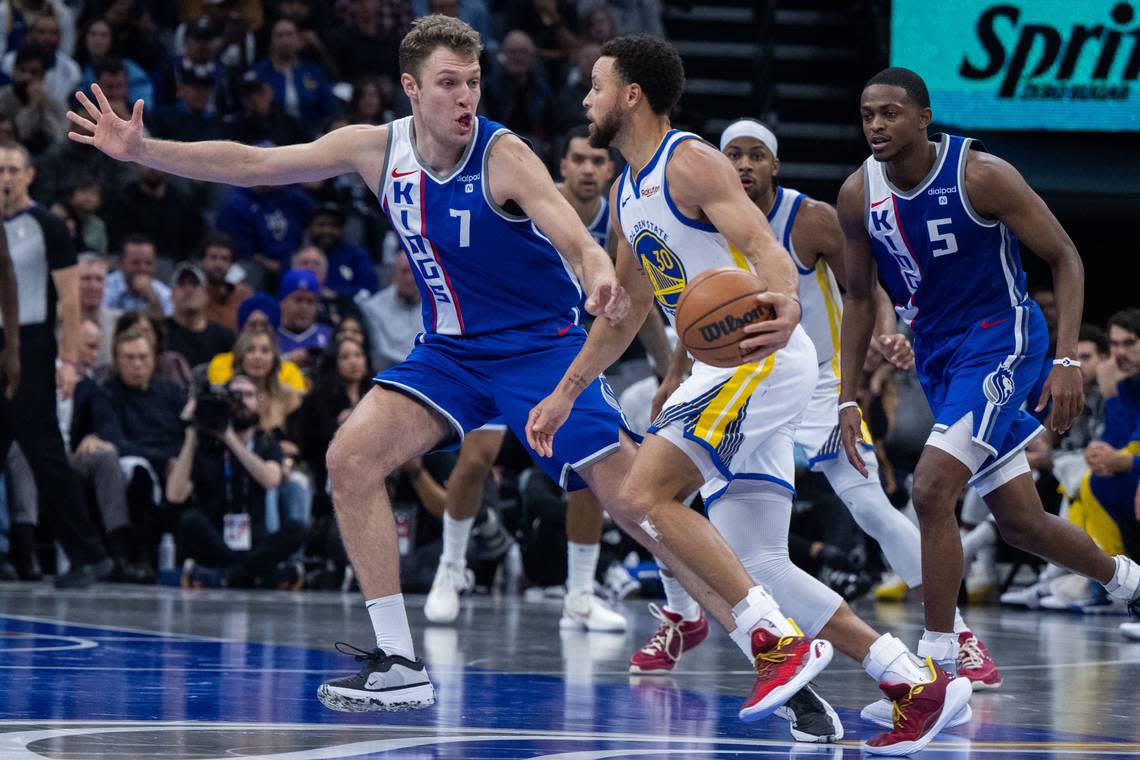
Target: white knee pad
{"x": 876, "y": 516}
{"x": 753, "y": 517}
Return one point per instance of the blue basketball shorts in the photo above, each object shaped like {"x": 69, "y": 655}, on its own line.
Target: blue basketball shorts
{"x": 991, "y": 374}
{"x": 475, "y": 381}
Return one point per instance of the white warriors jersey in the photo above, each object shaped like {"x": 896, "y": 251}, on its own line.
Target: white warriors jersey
{"x": 821, "y": 304}
{"x": 672, "y": 248}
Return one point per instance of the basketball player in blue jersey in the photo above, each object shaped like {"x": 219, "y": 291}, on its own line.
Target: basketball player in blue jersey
{"x": 498, "y": 256}
{"x": 940, "y": 222}
{"x": 679, "y": 206}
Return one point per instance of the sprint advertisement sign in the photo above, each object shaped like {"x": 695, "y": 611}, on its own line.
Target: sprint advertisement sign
{"x": 1024, "y": 64}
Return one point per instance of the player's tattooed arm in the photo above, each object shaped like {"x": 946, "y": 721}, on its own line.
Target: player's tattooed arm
{"x": 995, "y": 189}
{"x": 858, "y": 312}
{"x": 516, "y": 174}
{"x": 604, "y": 346}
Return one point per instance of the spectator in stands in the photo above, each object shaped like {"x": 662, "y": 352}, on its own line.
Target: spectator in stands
{"x": 62, "y": 74}
{"x": 260, "y": 118}
{"x": 256, "y": 355}
{"x": 393, "y": 317}
{"x": 343, "y": 378}
{"x": 225, "y": 289}
{"x": 133, "y": 30}
{"x": 152, "y": 205}
{"x": 351, "y": 327}
{"x": 630, "y": 16}
{"x": 229, "y": 465}
{"x": 121, "y": 79}
{"x": 193, "y": 117}
{"x": 85, "y": 202}
{"x": 304, "y": 14}
{"x": 258, "y": 312}
{"x": 8, "y": 129}
{"x": 169, "y": 366}
{"x": 238, "y": 20}
{"x": 199, "y": 50}
{"x": 367, "y": 45}
{"x": 472, "y": 12}
{"x": 369, "y": 103}
{"x": 298, "y": 85}
{"x": 139, "y": 414}
{"x": 18, "y": 18}
{"x": 92, "y": 276}
{"x": 517, "y": 92}
{"x": 189, "y": 332}
{"x": 332, "y": 307}
{"x": 300, "y": 337}
{"x": 568, "y": 110}
{"x": 598, "y": 25}
{"x": 1092, "y": 349}
{"x": 66, "y": 159}
{"x": 350, "y": 270}
{"x": 40, "y": 119}
{"x": 265, "y": 223}
{"x": 132, "y": 286}
{"x": 550, "y": 23}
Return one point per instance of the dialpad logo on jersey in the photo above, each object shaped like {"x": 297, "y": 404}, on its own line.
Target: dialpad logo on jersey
{"x": 999, "y": 386}
{"x": 664, "y": 268}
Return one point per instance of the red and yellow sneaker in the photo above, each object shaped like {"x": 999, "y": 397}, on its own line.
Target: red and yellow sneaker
{"x": 674, "y": 636}
{"x": 784, "y": 665}
{"x": 920, "y": 711}
{"x": 975, "y": 663}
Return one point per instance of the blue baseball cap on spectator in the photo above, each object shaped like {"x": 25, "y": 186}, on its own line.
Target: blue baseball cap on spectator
{"x": 259, "y": 302}
{"x": 298, "y": 279}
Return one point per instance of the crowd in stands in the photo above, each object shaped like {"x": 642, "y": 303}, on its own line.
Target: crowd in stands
{"x": 227, "y": 332}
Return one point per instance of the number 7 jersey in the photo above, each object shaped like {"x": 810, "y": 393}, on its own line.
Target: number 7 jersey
{"x": 945, "y": 266}
{"x": 480, "y": 268}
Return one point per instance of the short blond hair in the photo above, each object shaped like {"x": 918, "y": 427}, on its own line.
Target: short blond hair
{"x": 434, "y": 31}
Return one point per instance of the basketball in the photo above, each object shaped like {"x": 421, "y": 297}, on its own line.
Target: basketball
{"x": 713, "y": 311}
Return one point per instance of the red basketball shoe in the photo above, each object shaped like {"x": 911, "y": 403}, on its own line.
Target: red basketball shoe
{"x": 920, "y": 711}
{"x": 784, "y": 665}
{"x": 674, "y": 636}
{"x": 975, "y": 663}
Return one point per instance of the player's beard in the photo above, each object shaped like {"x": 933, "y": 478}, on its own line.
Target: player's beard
{"x": 603, "y": 131}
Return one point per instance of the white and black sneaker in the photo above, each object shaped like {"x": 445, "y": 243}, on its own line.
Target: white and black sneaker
{"x": 386, "y": 682}
{"x": 812, "y": 719}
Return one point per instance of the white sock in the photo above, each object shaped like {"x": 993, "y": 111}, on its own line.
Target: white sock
{"x": 1125, "y": 583}
{"x": 759, "y": 610}
{"x": 889, "y": 661}
{"x": 942, "y": 648}
{"x": 455, "y": 535}
{"x": 959, "y": 622}
{"x": 390, "y": 622}
{"x": 677, "y": 599}
{"x": 581, "y": 562}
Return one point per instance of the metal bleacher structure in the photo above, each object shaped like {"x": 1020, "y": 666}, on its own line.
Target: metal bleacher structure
{"x": 796, "y": 64}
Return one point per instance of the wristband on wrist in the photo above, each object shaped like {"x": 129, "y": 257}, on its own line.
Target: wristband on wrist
{"x": 849, "y": 405}
{"x": 1065, "y": 361}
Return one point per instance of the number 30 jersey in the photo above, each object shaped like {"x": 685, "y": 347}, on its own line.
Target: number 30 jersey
{"x": 480, "y": 268}
{"x": 945, "y": 267}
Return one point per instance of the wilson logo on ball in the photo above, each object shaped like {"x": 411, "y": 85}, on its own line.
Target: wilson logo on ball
{"x": 731, "y": 323}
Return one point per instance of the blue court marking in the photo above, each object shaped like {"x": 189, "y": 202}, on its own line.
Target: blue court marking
{"x": 53, "y": 671}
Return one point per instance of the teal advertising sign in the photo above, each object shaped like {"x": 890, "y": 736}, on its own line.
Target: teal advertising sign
{"x": 1024, "y": 64}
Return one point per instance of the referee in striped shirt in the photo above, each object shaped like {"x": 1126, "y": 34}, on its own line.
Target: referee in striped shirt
{"x": 46, "y": 274}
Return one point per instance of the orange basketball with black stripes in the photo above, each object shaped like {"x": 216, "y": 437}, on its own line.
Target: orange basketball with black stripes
{"x": 713, "y": 311}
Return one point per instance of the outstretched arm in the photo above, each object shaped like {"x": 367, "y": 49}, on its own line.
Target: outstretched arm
{"x": 339, "y": 152}
{"x": 998, "y": 190}
{"x": 517, "y": 174}
{"x": 605, "y": 345}
{"x": 858, "y": 313}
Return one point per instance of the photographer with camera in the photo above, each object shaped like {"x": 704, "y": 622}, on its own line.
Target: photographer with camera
{"x": 229, "y": 465}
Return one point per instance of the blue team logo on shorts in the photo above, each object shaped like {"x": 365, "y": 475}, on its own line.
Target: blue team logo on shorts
{"x": 664, "y": 268}
{"x": 999, "y": 386}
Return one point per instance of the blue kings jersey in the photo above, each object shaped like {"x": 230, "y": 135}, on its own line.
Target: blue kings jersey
{"x": 480, "y": 268}
{"x": 944, "y": 266}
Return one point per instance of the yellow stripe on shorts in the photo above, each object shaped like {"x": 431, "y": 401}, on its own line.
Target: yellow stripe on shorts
{"x": 727, "y": 404}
